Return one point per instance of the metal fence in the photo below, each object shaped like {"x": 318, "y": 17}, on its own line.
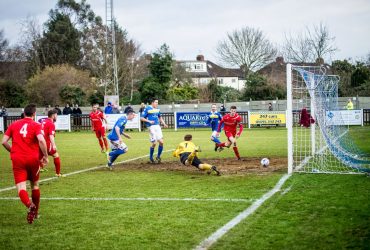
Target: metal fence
{"x": 82, "y": 122}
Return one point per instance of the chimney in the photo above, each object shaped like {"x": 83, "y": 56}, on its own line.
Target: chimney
{"x": 200, "y": 58}
{"x": 280, "y": 60}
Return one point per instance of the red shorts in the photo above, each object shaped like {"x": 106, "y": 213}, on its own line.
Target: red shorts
{"x": 230, "y": 134}
{"x": 100, "y": 132}
{"x": 25, "y": 168}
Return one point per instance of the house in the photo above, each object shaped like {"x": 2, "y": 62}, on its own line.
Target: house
{"x": 275, "y": 72}
{"x": 203, "y": 71}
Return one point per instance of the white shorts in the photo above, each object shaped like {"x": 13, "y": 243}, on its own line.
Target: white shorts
{"x": 155, "y": 132}
{"x": 214, "y": 134}
{"x": 116, "y": 145}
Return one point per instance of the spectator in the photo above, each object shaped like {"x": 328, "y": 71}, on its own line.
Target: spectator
{"x": 270, "y": 107}
{"x": 67, "y": 110}
{"x": 108, "y": 109}
{"x": 128, "y": 108}
{"x": 142, "y": 107}
{"x": 349, "y": 105}
{"x": 115, "y": 109}
{"x": 22, "y": 114}
{"x": 58, "y": 109}
{"x": 3, "y": 111}
{"x": 222, "y": 108}
{"x": 46, "y": 110}
{"x": 77, "y": 115}
{"x": 306, "y": 118}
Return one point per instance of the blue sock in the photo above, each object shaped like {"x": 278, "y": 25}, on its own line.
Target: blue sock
{"x": 114, "y": 154}
{"x": 160, "y": 149}
{"x": 151, "y": 153}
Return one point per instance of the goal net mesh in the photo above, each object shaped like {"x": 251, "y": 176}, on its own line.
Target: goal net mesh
{"x": 321, "y": 144}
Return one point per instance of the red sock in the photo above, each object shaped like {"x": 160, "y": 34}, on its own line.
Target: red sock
{"x": 57, "y": 165}
{"x": 221, "y": 145}
{"x": 236, "y": 152}
{"x": 101, "y": 143}
{"x": 36, "y": 197}
{"x": 105, "y": 143}
{"x": 23, "y": 195}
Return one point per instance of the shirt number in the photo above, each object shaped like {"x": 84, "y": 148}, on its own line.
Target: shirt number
{"x": 23, "y": 130}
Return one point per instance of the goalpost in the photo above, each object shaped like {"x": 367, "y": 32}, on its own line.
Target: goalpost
{"x": 324, "y": 144}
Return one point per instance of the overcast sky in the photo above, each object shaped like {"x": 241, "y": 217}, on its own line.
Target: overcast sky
{"x": 192, "y": 27}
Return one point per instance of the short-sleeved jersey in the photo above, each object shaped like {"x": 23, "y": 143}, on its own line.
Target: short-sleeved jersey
{"x": 48, "y": 127}
{"x": 121, "y": 124}
{"x": 213, "y": 119}
{"x": 185, "y": 146}
{"x": 151, "y": 114}
{"x": 97, "y": 119}
{"x": 230, "y": 123}
{"x": 24, "y": 134}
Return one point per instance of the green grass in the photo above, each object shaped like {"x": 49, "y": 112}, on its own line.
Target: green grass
{"x": 311, "y": 211}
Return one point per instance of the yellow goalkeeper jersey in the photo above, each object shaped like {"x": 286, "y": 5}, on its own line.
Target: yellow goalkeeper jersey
{"x": 185, "y": 146}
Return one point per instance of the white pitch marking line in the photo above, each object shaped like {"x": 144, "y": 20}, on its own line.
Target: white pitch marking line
{"x": 131, "y": 199}
{"x": 205, "y": 244}
{"x": 83, "y": 170}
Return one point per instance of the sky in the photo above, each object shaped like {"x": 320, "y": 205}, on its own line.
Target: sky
{"x": 195, "y": 27}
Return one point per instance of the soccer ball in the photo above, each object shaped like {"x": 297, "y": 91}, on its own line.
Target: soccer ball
{"x": 265, "y": 162}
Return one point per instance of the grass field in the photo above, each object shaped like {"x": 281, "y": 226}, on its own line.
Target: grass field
{"x": 138, "y": 206}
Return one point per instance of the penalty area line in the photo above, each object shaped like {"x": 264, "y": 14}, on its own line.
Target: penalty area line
{"x": 205, "y": 244}
{"x": 132, "y": 199}
{"x": 84, "y": 170}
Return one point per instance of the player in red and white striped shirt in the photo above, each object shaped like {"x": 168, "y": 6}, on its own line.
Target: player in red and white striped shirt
{"x": 27, "y": 139}
{"x": 231, "y": 121}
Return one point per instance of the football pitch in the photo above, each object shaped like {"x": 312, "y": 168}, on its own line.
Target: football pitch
{"x": 171, "y": 206}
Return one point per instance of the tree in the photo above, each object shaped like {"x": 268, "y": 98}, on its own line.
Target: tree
{"x": 149, "y": 88}
{"x": 72, "y": 94}
{"x": 3, "y": 45}
{"x": 182, "y": 93}
{"x": 61, "y": 41}
{"x": 44, "y": 87}
{"x": 247, "y": 48}
{"x": 258, "y": 89}
{"x": 97, "y": 96}
{"x": 313, "y": 43}
{"x": 160, "y": 67}
{"x": 344, "y": 69}
{"x": 12, "y": 94}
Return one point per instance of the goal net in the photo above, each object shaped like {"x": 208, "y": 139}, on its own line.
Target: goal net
{"x": 317, "y": 143}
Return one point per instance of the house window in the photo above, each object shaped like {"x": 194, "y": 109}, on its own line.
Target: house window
{"x": 221, "y": 81}
{"x": 233, "y": 80}
{"x": 198, "y": 66}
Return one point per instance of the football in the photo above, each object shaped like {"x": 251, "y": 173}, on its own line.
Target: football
{"x": 265, "y": 162}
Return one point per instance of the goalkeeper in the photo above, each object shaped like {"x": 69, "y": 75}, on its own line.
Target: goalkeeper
{"x": 188, "y": 154}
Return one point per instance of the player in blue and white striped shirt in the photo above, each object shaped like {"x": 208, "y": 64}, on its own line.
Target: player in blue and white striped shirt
{"x": 152, "y": 118}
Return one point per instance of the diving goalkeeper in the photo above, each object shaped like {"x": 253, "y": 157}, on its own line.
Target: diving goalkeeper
{"x": 188, "y": 154}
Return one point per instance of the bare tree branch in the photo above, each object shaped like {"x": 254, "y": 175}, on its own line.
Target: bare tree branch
{"x": 247, "y": 47}
{"x": 314, "y": 43}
